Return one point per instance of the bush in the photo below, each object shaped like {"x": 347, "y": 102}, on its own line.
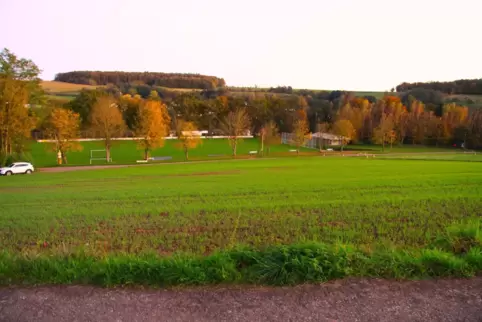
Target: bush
{"x": 460, "y": 239}
{"x": 6, "y": 159}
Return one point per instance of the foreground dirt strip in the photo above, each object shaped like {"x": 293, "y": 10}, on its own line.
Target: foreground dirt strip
{"x": 347, "y": 300}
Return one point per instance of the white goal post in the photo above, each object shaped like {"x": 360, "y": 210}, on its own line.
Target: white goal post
{"x": 99, "y": 155}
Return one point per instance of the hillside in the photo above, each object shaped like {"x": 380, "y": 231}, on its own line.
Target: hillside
{"x": 123, "y": 79}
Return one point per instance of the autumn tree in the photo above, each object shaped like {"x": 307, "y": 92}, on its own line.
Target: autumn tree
{"x": 84, "y": 102}
{"x": 63, "y": 126}
{"x": 453, "y": 117}
{"x": 322, "y": 128}
{"x": 235, "y": 125}
{"x": 473, "y": 136}
{"x": 384, "y": 132}
{"x": 106, "y": 121}
{"x": 417, "y": 122}
{"x": 129, "y": 106}
{"x": 299, "y": 134}
{"x": 269, "y": 136}
{"x": 188, "y": 136}
{"x": 19, "y": 82}
{"x": 345, "y": 130}
{"x": 152, "y": 126}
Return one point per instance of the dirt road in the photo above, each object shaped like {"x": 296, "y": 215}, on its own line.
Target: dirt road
{"x": 348, "y": 300}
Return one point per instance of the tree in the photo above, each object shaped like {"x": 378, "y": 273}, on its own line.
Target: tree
{"x": 106, "y": 121}
{"x": 453, "y": 117}
{"x": 234, "y": 125}
{"x": 299, "y": 134}
{"x": 63, "y": 125}
{"x": 19, "y": 85}
{"x": 417, "y": 122}
{"x": 129, "y": 106}
{"x": 473, "y": 136}
{"x": 84, "y": 102}
{"x": 187, "y": 136}
{"x": 345, "y": 130}
{"x": 320, "y": 129}
{"x": 152, "y": 125}
{"x": 384, "y": 132}
{"x": 269, "y": 135}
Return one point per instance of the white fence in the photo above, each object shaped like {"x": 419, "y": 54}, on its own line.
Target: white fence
{"x": 133, "y": 139}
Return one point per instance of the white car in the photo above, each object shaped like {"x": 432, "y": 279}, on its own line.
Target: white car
{"x": 17, "y": 168}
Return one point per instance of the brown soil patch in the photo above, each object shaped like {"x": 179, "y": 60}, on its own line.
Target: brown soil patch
{"x": 345, "y": 300}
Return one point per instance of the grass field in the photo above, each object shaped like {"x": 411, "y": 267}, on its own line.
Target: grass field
{"x": 126, "y": 152}
{"x": 62, "y": 87}
{"x": 277, "y": 221}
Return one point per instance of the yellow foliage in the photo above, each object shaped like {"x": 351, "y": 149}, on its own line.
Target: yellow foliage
{"x": 63, "y": 126}
{"x": 300, "y": 133}
{"x": 188, "y": 136}
{"x": 15, "y": 122}
{"x": 152, "y": 125}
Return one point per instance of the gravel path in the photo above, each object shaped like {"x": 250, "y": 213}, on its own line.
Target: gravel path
{"x": 347, "y": 300}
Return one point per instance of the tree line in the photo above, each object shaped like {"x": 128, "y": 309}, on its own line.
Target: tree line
{"x": 461, "y": 86}
{"x": 107, "y": 114}
{"x": 123, "y": 79}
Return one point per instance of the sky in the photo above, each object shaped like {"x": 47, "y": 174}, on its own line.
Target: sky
{"x": 370, "y": 45}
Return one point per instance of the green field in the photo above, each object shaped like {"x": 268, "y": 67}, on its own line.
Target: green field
{"x": 126, "y": 152}
{"x": 261, "y": 221}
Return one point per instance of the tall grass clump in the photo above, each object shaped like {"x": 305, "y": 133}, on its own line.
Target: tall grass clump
{"x": 275, "y": 265}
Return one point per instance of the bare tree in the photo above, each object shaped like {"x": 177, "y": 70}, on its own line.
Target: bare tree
{"x": 106, "y": 121}
{"x": 300, "y": 134}
{"x": 234, "y": 125}
{"x": 269, "y": 135}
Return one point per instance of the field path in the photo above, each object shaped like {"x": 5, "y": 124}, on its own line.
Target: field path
{"x": 346, "y": 300}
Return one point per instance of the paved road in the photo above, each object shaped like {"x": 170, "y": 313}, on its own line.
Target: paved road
{"x": 348, "y": 300}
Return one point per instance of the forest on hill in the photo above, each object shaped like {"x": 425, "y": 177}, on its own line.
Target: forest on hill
{"x": 461, "y": 86}
{"x": 127, "y": 79}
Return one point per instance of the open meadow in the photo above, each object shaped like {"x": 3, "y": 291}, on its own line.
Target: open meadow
{"x": 276, "y": 221}
{"x": 127, "y": 152}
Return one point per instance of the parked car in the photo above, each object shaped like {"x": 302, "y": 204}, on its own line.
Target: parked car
{"x": 17, "y": 168}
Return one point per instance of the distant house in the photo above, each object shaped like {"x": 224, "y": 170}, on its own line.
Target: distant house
{"x": 317, "y": 140}
{"x": 328, "y": 139}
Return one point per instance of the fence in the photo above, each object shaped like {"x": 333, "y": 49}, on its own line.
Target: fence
{"x": 134, "y": 138}
{"x": 313, "y": 143}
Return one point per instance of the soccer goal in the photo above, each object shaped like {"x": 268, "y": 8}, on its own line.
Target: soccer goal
{"x": 99, "y": 155}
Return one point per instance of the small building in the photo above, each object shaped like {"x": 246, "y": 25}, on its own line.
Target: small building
{"x": 317, "y": 140}
{"x": 328, "y": 139}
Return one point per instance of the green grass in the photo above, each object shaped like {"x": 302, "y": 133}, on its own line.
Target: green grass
{"x": 407, "y": 148}
{"x": 126, "y": 152}
{"x": 280, "y": 221}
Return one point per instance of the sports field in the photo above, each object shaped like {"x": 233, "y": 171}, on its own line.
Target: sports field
{"x": 62, "y": 227}
{"x": 127, "y": 152}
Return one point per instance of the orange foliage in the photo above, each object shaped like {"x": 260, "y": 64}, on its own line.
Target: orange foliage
{"x": 106, "y": 121}
{"x": 152, "y": 125}
{"x": 188, "y": 136}
{"x": 63, "y": 126}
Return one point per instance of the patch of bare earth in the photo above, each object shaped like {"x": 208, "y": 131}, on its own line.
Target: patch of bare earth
{"x": 346, "y": 300}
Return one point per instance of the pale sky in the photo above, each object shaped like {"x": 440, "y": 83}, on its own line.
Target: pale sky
{"x": 342, "y": 44}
